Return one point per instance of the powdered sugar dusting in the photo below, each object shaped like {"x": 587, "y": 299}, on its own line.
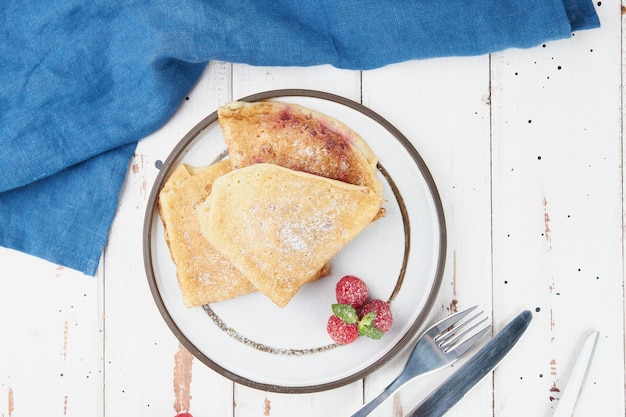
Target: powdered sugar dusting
{"x": 291, "y": 236}
{"x": 282, "y": 228}
{"x": 300, "y": 234}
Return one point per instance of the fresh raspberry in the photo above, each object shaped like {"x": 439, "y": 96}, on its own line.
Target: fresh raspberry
{"x": 340, "y": 331}
{"x": 383, "y": 319}
{"x": 184, "y": 415}
{"x": 352, "y": 291}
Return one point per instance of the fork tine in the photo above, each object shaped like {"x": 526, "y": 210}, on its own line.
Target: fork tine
{"x": 453, "y": 334}
{"x": 463, "y": 347}
{"x": 448, "y": 322}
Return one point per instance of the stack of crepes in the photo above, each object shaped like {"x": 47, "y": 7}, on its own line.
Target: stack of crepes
{"x": 296, "y": 187}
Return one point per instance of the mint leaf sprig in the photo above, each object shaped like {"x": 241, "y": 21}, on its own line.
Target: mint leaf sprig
{"x": 365, "y": 325}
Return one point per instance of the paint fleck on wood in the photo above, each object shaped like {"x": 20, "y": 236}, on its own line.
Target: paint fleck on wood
{"x": 454, "y": 302}
{"x": 554, "y": 389}
{"x": 183, "y": 361}
{"x": 454, "y": 273}
{"x": 546, "y": 221}
{"x": 139, "y": 161}
{"x": 65, "y": 334}
{"x": 10, "y": 402}
{"x": 144, "y": 188}
{"x": 267, "y": 407}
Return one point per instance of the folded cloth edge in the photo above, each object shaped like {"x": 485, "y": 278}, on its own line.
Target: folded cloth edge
{"x": 65, "y": 218}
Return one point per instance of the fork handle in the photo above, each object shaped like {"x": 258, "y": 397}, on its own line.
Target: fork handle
{"x": 374, "y": 403}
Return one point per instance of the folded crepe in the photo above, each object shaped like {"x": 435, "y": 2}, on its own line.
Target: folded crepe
{"x": 298, "y": 138}
{"x": 203, "y": 274}
{"x": 279, "y": 226}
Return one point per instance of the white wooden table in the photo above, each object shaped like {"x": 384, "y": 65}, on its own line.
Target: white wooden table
{"x": 527, "y": 150}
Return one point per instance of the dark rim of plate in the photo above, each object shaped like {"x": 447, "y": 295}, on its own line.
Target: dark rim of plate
{"x": 151, "y": 211}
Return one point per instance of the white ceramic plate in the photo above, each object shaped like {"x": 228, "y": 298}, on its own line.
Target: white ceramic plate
{"x": 400, "y": 257}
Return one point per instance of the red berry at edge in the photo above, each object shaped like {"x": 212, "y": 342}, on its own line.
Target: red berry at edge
{"x": 340, "y": 331}
{"x": 384, "y": 318}
{"x": 352, "y": 291}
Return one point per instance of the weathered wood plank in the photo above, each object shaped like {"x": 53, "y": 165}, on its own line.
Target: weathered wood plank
{"x": 557, "y": 216}
{"x": 50, "y": 361}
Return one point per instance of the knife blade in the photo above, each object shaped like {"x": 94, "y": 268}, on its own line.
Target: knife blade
{"x": 474, "y": 370}
{"x": 567, "y": 402}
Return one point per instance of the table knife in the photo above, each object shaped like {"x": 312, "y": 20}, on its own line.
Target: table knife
{"x": 577, "y": 377}
{"x": 474, "y": 370}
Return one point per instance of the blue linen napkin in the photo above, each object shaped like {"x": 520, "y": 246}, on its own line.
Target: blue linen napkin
{"x": 82, "y": 82}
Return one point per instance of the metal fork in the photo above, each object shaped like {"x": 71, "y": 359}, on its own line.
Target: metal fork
{"x": 442, "y": 344}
